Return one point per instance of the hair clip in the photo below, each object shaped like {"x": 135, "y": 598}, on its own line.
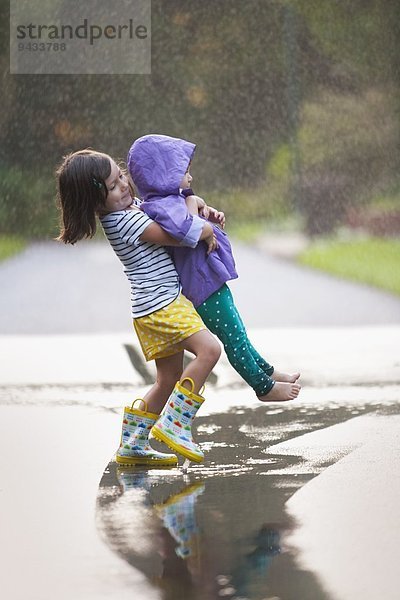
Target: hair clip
{"x": 98, "y": 184}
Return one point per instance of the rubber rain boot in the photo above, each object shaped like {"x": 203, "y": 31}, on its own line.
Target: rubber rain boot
{"x": 174, "y": 427}
{"x": 135, "y": 447}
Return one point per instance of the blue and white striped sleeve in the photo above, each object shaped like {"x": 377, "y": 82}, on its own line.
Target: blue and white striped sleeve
{"x": 132, "y": 225}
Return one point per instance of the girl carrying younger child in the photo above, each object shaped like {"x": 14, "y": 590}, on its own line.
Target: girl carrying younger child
{"x": 91, "y": 185}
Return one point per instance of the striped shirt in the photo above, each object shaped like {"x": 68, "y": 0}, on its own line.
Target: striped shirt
{"x": 149, "y": 268}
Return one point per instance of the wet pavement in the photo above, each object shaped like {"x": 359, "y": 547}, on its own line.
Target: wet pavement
{"x": 294, "y": 501}
{"x": 231, "y": 527}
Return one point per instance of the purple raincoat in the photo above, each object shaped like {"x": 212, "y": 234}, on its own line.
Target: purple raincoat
{"x": 157, "y": 164}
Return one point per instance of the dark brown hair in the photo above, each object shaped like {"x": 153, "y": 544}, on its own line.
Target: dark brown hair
{"x": 81, "y": 193}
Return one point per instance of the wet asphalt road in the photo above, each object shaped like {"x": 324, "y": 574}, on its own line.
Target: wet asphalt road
{"x": 52, "y": 289}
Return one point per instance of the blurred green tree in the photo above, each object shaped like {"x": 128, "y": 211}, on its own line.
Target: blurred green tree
{"x": 243, "y": 80}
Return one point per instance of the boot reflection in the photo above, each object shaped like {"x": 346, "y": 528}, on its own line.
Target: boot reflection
{"x": 147, "y": 516}
{"x": 178, "y": 515}
{"x": 132, "y": 478}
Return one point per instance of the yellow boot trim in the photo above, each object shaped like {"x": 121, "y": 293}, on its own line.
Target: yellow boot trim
{"x": 161, "y": 437}
{"x": 142, "y": 460}
{"x": 184, "y": 493}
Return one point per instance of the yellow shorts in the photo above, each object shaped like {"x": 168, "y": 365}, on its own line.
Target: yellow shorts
{"x": 162, "y": 332}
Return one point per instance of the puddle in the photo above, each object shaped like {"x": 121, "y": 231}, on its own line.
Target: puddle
{"x": 202, "y": 536}
{"x": 220, "y": 530}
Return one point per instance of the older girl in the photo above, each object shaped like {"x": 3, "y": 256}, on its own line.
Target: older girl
{"x": 90, "y": 185}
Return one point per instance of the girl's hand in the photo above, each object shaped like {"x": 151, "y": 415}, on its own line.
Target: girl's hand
{"x": 205, "y": 211}
{"x": 216, "y": 216}
{"x": 197, "y": 206}
{"x": 211, "y": 242}
{"x": 209, "y": 213}
{"x": 199, "y": 201}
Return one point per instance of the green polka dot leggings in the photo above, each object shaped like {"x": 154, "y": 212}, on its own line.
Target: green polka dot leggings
{"x": 221, "y": 316}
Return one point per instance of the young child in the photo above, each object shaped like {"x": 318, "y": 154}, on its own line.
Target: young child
{"x": 159, "y": 167}
{"x": 90, "y": 185}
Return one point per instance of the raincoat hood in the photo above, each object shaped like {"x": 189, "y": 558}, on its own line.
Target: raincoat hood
{"x": 158, "y": 163}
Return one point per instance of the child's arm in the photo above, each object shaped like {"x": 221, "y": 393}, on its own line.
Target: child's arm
{"x": 207, "y": 235}
{"x": 157, "y": 235}
{"x": 172, "y": 214}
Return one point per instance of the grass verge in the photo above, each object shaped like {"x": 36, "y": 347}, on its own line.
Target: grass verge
{"x": 375, "y": 261}
{"x": 9, "y": 245}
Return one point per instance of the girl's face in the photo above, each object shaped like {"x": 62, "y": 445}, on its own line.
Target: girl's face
{"x": 187, "y": 180}
{"x": 118, "y": 197}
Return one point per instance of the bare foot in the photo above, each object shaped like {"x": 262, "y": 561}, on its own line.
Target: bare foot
{"x": 281, "y": 392}
{"x": 288, "y": 377}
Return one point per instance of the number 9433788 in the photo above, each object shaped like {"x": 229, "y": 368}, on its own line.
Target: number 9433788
{"x": 42, "y": 47}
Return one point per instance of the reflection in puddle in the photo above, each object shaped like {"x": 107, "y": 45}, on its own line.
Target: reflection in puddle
{"x": 149, "y": 518}
{"x": 196, "y": 537}
{"x": 182, "y": 536}
{"x": 219, "y": 531}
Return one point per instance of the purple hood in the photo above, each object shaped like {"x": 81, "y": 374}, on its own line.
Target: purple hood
{"x": 157, "y": 164}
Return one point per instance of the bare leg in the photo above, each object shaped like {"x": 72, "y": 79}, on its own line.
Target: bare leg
{"x": 207, "y": 352}
{"x": 174, "y": 425}
{"x": 169, "y": 371}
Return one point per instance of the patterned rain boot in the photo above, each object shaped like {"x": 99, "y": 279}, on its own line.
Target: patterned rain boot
{"x": 174, "y": 427}
{"x": 135, "y": 448}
